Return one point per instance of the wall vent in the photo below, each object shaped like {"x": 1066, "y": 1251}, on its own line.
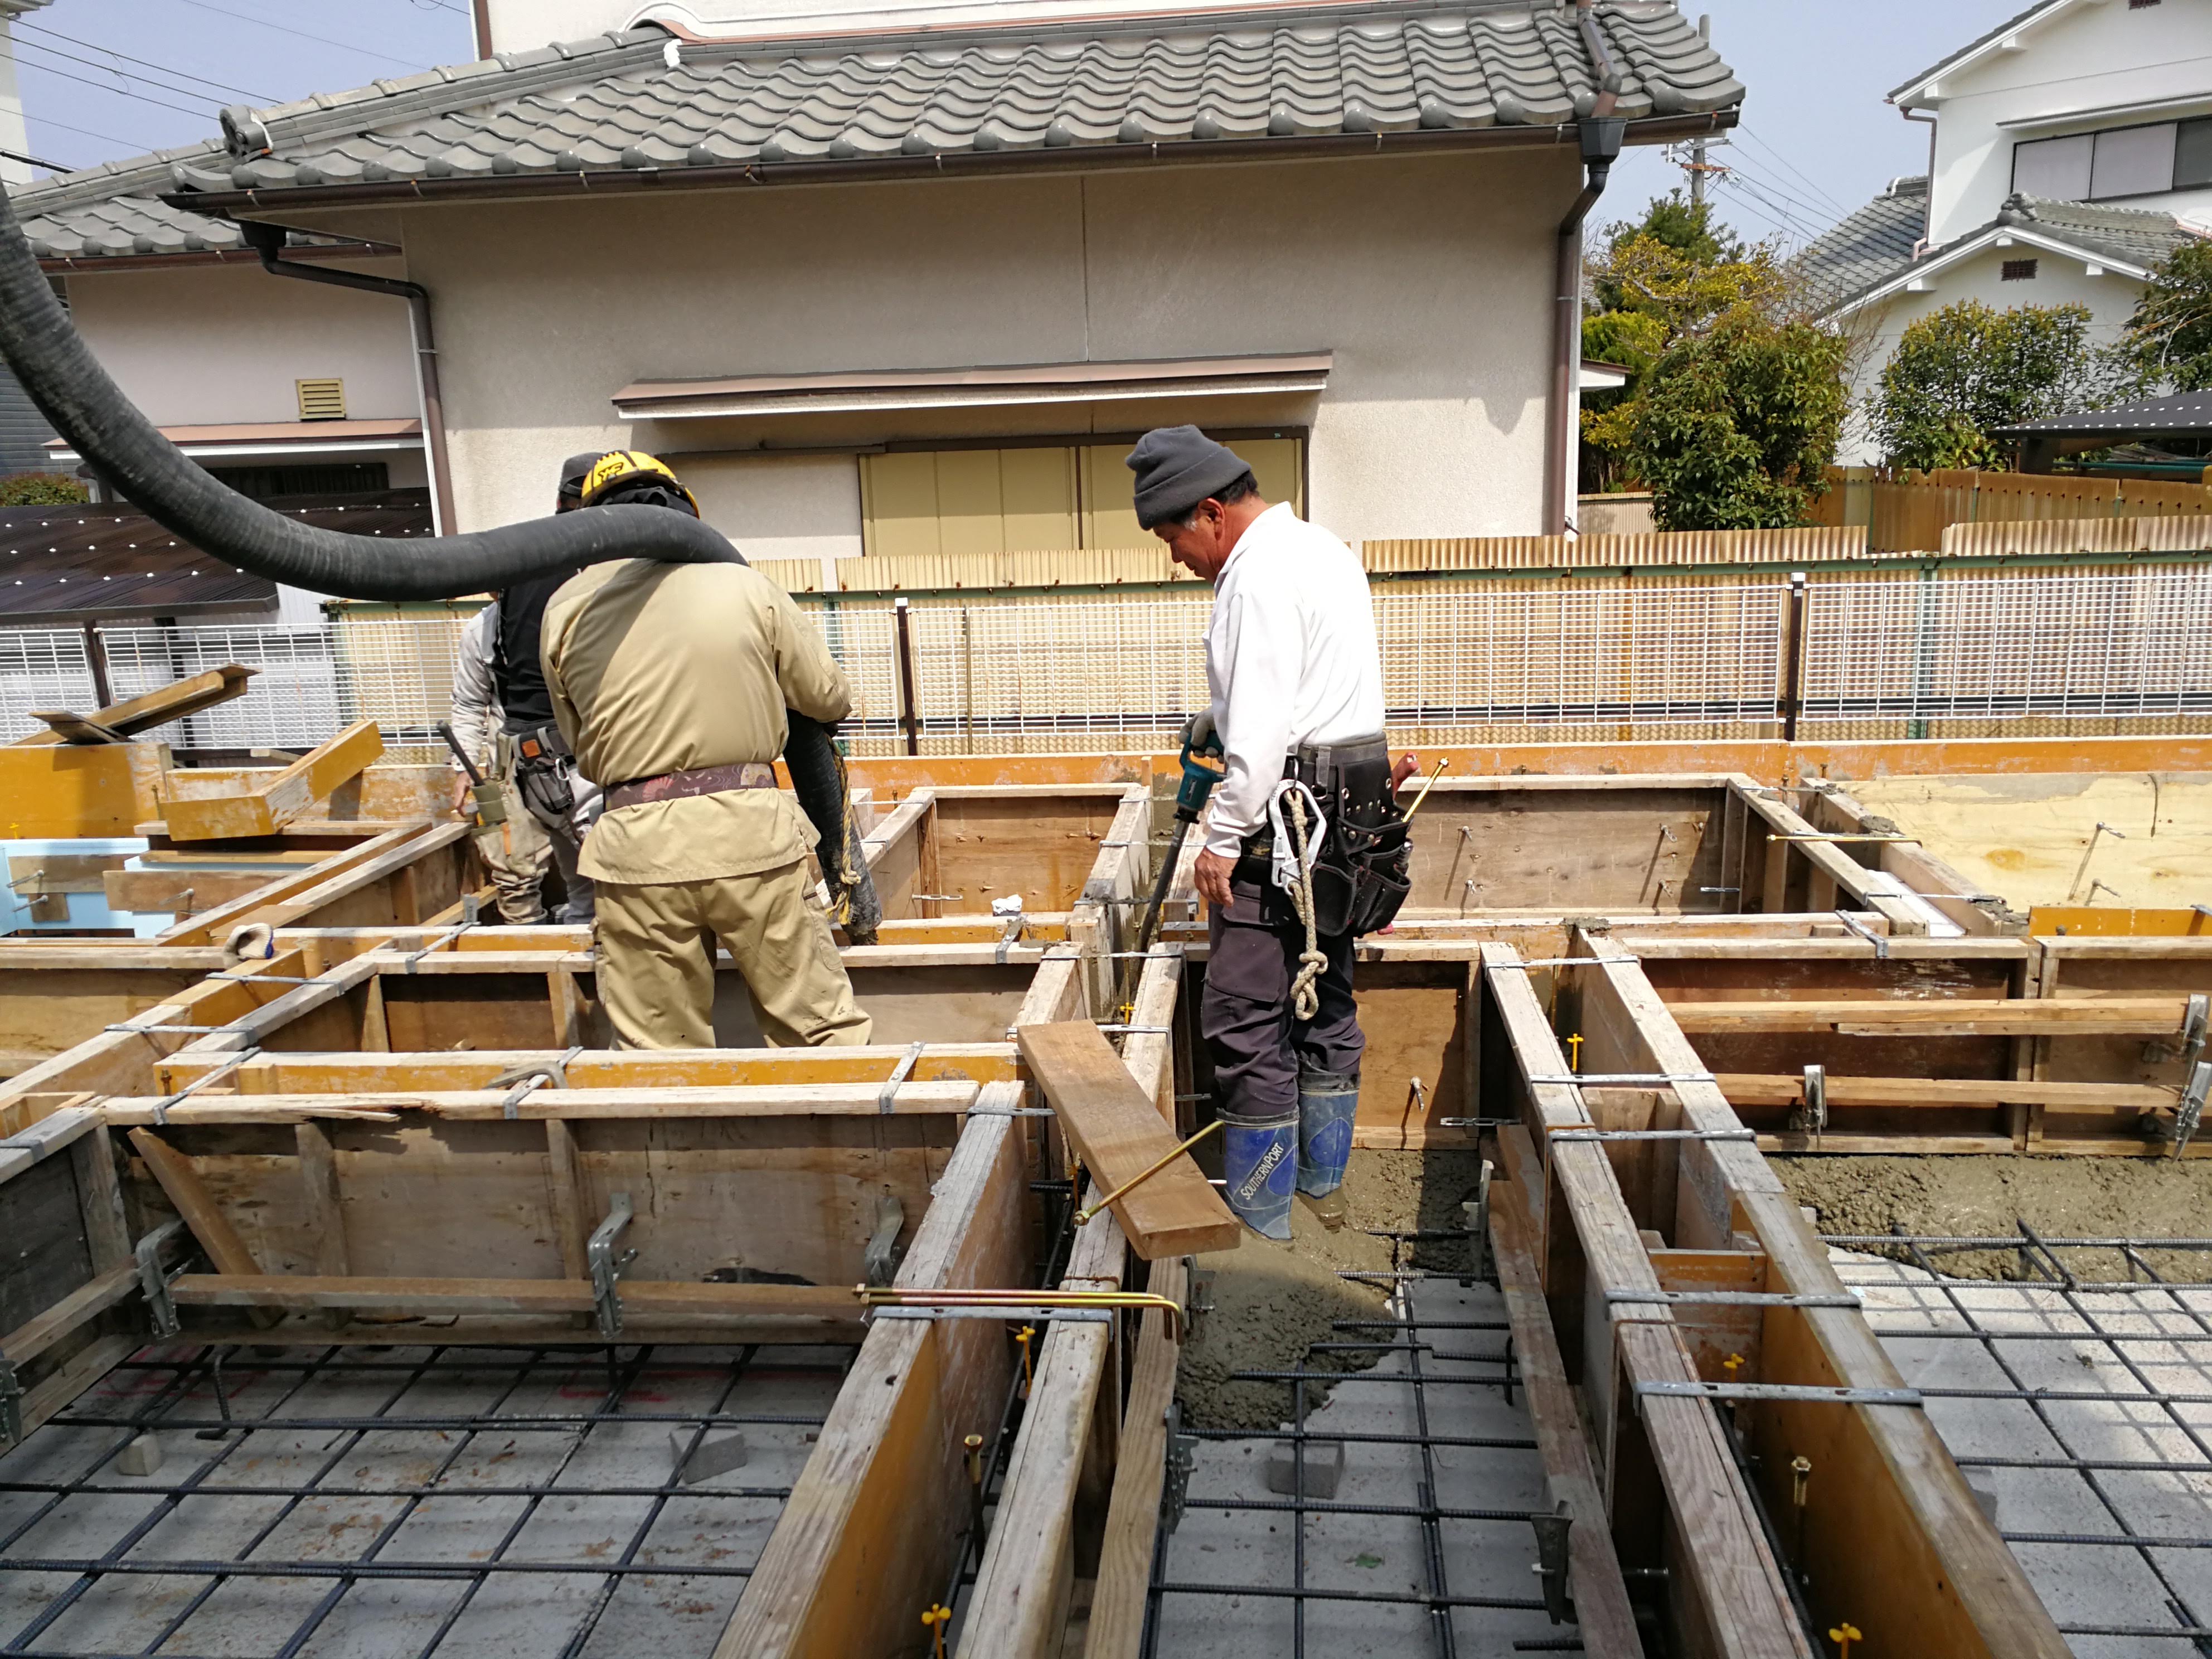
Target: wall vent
{"x": 321, "y": 400}
{"x": 2017, "y": 270}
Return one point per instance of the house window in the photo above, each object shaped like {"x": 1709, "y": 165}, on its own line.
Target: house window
{"x": 2118, "y": 162}
{"x": 2132, "y": 161}
{"x": 2141, "y": 5}
{"x": 2192, "y": 154}
{"x": 2056, "y": 169}
{"x": 1033, "y": 498}
{"x": 2018, "y": 271}
{"x": 324, "y": 478}
{"x": 321, "y": 400}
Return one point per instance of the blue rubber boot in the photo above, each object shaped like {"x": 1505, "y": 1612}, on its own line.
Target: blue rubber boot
{"x": 1326, "y": 1101}
{"x": 1260, "y": 1158}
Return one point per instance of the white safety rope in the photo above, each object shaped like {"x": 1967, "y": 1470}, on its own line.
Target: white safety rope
{"x": 1293, "y": 873}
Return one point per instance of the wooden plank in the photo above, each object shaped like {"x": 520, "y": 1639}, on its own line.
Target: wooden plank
{"x": 1118, "y": 1131}
{"x": 99, "y": 1199}
{"x": 277, "y": 904}
{"x": 173, "y": 702}
{"x": 1781, "y": 1088}
{"x": 564, "y": 1174}
{"x": 489, "y": 1105}
{"x": 1125, "y": 1560}
{"x": 61, "y": 872}
{"x": 301, "y": 1292}
{"x": 193, "y": 1201}
{"x": 89, "y": 1300}
{"x": 287, "y": 796}
{"x": 1946, "y": 1017}
{"x": 1604, "y": 1618}
{"x": 319, "y": 1183}
{"x": 181, "y": 892}
{"x": 602, "y": 1068}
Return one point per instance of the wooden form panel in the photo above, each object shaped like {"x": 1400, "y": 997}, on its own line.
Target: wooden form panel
{"x": 1894, "y": 1541}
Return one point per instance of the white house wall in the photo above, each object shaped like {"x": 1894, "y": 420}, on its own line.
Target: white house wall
{"x": 2059, "y": 280}
{"x": 209, "y": 345}
{"x": 1428, "y": 278}
{"x": 2091, "y": 57}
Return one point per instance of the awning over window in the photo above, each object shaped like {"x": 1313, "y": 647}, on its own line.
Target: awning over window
{"x": 998, "y": 386}
{"x": 293, "y": 440}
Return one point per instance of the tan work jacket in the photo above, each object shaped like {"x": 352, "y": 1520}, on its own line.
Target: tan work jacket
{"x": 670, "y": 667}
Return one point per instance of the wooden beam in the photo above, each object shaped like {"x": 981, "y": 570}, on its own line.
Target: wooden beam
{"x": 298, "y": 1292}
{"x": 196, "y": 1204}
{"x": 1781, "y": 1088}
{"x": 1133, "y": 1517}
{"x": 1118, "y": 1131}
{"x": 287, "y": 796}
{"x": 286, "y": 899}
{"x": 173, "y": 702}
{"x": 489, "y": 1105}
{"x": 177, "y": 892}
{"x": 1940, "y": 1017}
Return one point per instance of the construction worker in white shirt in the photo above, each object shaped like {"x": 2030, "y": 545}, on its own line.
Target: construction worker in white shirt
{"x": 503, "y": 719}
{"x": 1304, "y": 846}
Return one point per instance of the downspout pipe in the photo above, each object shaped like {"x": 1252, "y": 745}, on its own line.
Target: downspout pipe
{"x": 1601, "y": 132}
{"x": 267, "y": 241}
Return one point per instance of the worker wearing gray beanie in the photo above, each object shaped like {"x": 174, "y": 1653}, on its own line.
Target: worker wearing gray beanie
{"x": 1178, "y": 467}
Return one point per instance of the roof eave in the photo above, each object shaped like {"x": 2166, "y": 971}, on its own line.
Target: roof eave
{"x": 1906, "y": 96}
{"x": 1980, "y": 242}
{"x": 86, "y": 263}
{"x": 1077, "y": 158}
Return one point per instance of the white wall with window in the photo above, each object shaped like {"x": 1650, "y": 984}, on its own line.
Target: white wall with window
{"x": 2079, "y": 100}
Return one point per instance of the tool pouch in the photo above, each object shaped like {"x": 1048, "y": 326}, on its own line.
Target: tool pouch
{"x": 491, "y": 803}
{"x": 1362, "y": 877}
{"x": 546, "y": 791}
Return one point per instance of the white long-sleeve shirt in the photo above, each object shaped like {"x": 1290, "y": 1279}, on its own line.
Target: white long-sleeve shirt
{"x": 1291, "y": 657}
{"x": 476, "y": 716}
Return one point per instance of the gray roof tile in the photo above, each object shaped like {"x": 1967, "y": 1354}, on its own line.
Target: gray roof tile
{"x": 1864, "y": 247}
{"x": 615, "y": 103}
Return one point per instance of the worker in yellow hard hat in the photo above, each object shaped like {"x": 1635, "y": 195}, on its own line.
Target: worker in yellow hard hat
{"x": 670, "y": 682}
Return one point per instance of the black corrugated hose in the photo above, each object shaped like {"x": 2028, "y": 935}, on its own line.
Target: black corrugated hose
{"x": 89, "y": 409}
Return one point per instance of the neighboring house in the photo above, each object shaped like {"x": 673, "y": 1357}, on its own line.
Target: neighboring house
{"x": 23, "y": 430}
{"x": 912, "y": 284}
{"x": 2071, "y": 150}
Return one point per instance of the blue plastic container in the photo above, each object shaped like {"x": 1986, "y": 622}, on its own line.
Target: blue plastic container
{"x": 1260, "y": 1159}
{"x": 1326, "y": 1101}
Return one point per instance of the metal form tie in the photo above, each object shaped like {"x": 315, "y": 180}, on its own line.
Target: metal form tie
{"x": 149, "y": 1030}
{"x": 1012, "y": 1305}
{"x": 1730, "y": 1299}
{"x": 1010, "y": 1111}
{"x": 1569, "y": 961}
{"x": 1630, "y": 1080}
{"x": 1140, "y": 1030}
{"x": 468, "y": 920}
{"x": 1792, "y": 1391}
{"x": 162, "y": 1107}
{"x": 1578, "y": 1133}
{"x": 1880, "y": 941}
{"x": 900, "y": 1073}
{"x": 528, "y": 1076}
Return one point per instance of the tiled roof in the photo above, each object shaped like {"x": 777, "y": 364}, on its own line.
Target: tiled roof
{"x": 2010, "y": 26}
{"x": 639, "y": 100}
{"x": 2125, "y": 236}
{"x": 115, "y": 210}
{"x": 2183, "y": 412}
{"x": 1865, "y": 246}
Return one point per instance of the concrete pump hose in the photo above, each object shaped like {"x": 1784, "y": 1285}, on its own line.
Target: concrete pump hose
{"x": 89, "y": 409}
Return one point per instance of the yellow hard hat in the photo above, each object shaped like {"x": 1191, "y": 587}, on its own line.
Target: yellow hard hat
{"x": 625, "y": 466}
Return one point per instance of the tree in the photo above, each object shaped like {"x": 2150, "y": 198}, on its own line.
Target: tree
{"x": 1738, "y": 421}
{"x": 42, "y": 490}
{"x": 1959, "y": 374}
{"x": 2169, "y": 339}
{"x": 1674, "y": 222}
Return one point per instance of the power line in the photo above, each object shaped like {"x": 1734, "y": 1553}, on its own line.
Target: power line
{"x": 84, "y": 132}
{"x": 182, "y": 74}
{"x": 1800, "y": 172}
{"x": 320, "y": 40}
{"x": 102, "y": 86}
{"x": 31, "y": 160}
{"x": 119, "y": 72}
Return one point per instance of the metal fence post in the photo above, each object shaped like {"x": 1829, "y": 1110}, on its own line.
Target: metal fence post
{"x": 96, "y": 659}
{"x": 1793, "y": 657}
{"x": 903, "y": 642}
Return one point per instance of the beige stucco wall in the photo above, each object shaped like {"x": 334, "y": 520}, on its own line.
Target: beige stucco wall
{"x": 216, "y": 344}
{"x": 1427, "y": 278}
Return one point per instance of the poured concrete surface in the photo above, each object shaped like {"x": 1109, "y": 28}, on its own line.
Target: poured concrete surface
{"x": 1368, "y": 1552}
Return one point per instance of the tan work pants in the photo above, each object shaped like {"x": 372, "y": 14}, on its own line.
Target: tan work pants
{"x": 656, "y": 968}
{"x": 516, "y": 852}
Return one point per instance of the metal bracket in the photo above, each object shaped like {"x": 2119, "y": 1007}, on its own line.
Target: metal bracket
{"x": 1198, "y": 1302}
{"x": 152, "y": 1282}
{"x": 900, "y": 1073}
{"x": 1812, "y": 1117}
{"x": 1790, "y": 1391}
{"x": 2191, "y": 1043}
{"x": 11, "y": 1403}
{"x": 1007, "y": 940}
{"x": 1012, "y": 1313}
{"x": 1183, "y": 1457}
{"x": 1731, "y": 1299}
{"x": 882, "y": 1256}
{"x": 606, "y": 1266}
{"x": 2188, "y": 1114}
{"x": 1552, "y": 1561}
{"x": 1476, "y": 1215}
{"x": 1880, "y": 941}
{"x": 527, "y": 1076}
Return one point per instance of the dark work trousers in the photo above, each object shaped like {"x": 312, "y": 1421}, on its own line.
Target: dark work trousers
{"x": 1256, "y": 1038}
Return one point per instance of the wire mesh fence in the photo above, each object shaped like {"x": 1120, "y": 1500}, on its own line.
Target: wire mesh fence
{"x": 1589, "y": 658}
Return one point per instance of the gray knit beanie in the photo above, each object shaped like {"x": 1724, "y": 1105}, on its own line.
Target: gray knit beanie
{"x": 1178, "y": 467}
{"x": 574, "y": 471}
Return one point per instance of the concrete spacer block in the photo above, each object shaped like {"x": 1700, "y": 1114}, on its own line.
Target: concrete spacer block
{"x": 714, "y": 1456}
{"x": 1324, "y": 1467}
{"x": 141, "y": 1456}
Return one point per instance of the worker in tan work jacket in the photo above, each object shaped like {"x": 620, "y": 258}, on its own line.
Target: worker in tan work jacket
{"x": 670, "y": 682}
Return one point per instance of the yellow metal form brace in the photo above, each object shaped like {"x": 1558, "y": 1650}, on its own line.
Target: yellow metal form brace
{"x": 1083, "y": 1216}
{"x": 1426, "y": 787}
{"x": 1018, "y": 1302}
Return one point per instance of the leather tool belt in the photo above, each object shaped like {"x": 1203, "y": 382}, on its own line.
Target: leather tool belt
{"x": 700, "y": 780}
{"x": 1361, "y": 876}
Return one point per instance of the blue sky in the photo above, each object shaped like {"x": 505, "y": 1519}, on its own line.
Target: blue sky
{"x": 1816, "y": 139}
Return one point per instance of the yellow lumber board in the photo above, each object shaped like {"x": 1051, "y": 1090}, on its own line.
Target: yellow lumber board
{"x": 1940, "y": 1015}
{"x": 1125, "y": 1558}
{"x": 287, "y": 796}
{"x": 301, "y": 1292}
{"x": 1119, "y": 1134}
{"x": 1785, "y": 1088}
{"x": 164, "y": 703}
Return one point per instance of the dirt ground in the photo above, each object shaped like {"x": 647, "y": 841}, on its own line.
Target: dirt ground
{"x": 1273, "y": 1300}
{"x": 2023, "y": 838}
{"x": 2060, "y": 1197}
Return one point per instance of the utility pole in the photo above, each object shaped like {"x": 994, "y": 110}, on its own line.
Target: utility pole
{"x": 1698, "y": 148}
